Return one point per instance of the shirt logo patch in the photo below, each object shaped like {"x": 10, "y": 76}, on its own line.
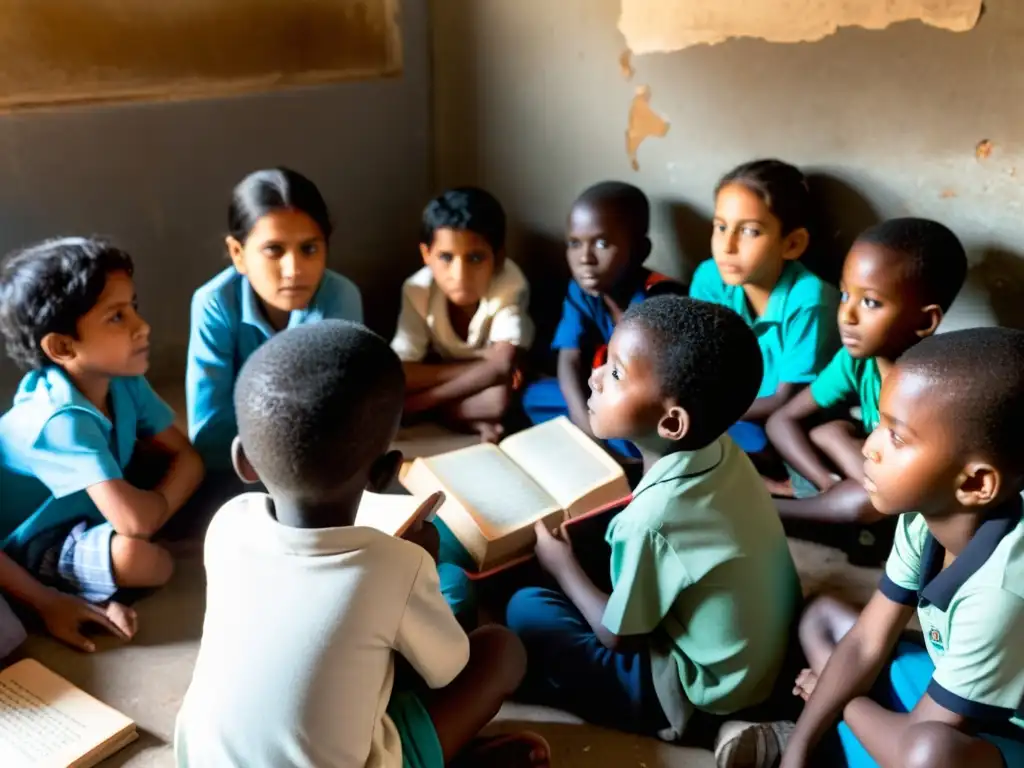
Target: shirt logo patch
{"x": 935, "y": 638}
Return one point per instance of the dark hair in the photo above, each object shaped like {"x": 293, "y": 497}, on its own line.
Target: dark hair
{"x": 274, "y": 189}
{"x": 706, "y": 358}
{"x": 466, "y": 208}
{"x": 316, "y": 404}
{"x": 933, "y": 257}
{"x": 628, "y": 200}
{"x": 980, "y": 373}
{"x": 48, "y": 287}
{"x": 781, "y": 186}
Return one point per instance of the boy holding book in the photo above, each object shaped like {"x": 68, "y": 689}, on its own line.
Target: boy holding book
{"x": 703, "y": 586}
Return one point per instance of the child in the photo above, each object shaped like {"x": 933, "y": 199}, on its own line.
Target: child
{"x": 464, "y": 315}
{"x": 946, "y": 456}
{"x": 278, "y": 229}
{"x": 762, "y": 213}
{"x": 607, "y": 247}
{"x": 703, "y": 587}
{"x": 69, "y": 314}
{"x": 306, "y": 612}
{"x": 899, "y": 279}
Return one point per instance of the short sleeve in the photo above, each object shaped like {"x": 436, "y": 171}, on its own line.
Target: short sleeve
{"x": 429, "y": 637}
{"x": 805, "y": 345}
{"x": 154, "y": 415}
{"x": 648, "y": 576}
{"x": 412, "y": 336}
{"x": 511, "y": 323}
{"x": 981, "y": 673}
{"x": 903, "y": 569}
{"x": 570, "y": 330}
{"x": 210, "y": 380}
{"x": 344, "y": 301}
{"x": 837, "y": 383}
{"x": 73, "y": 453}
{"x": 707, "y": 283}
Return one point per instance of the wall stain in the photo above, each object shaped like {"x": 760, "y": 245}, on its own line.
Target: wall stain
{"x": 626, "y": 64}
{"x": 983, "y": 150}
{"x": 644, "y": 123}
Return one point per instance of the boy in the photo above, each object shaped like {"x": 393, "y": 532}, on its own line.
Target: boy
{"x": 607, "y": 246}
{"x": 947, "y": 458}
{"x": 306, "y": 612}
{"x": 703, "y": 587}
{"x": 69, "y": 514}
{"x": 899, "y": 279}
{"x": 464, "y": 315}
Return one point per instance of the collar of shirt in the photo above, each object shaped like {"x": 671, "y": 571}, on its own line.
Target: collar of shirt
{"x": 252, "y": 311}
{"x": 682, "y": 465}
{"x": 773, "y": 313}
{"x": 937, "y": 586}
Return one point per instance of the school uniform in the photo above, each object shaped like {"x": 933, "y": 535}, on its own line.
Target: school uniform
{"x": 972, "y": 618}
{"x": 228, "y": 325}
{"x": 846, "y": 378}
{"x": 54, "y": 445}
{"x": 797, "y": 333}
{"x": 587, "y": 324}
{"x": 700, "y": 568}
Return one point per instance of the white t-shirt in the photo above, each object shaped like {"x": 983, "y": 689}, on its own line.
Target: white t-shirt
{"x": 296, "y": 661}
{"x": 424, "y": 323}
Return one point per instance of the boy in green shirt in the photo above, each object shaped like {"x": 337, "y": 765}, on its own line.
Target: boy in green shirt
{"x": 947, "y": 457}
{"x": 703, "y": 587}
{"x": 899, "y": 279}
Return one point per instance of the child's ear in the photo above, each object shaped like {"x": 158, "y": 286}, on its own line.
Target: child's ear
{"x": 243, "y": 468}
{"x": 643, "y": 250}
{"x": 675, "y": 424}
{"x": 425, "y": 252}
{"x": 979, "y": 484}
{"x": 930, "y": 323}
{"x": 795, "y": 244}
{"x": 58, "y": 348}
{"x": 235, "y": 251}
{"x": 383, "y": 471}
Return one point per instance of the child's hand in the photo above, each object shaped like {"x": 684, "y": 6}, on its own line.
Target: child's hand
{"x": 553, "y": 553}
{"x": 66, "y": 616}
{"x": 805, "y": 683}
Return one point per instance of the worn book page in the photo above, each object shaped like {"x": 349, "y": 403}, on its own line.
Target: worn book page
{"x": 652, "y": 26}
{"x": 391, "y": 513}
{"x": 46, "y": 722}
{"x": 568, "y": 465}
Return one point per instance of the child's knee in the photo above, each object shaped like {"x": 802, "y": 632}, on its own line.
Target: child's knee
{"x": 933, "y": 745}
{"x": 503, "y": 652}
{"x": 140, "y": 563}
{"x": 524, "y": 613}
{"x": 821, "y": 622}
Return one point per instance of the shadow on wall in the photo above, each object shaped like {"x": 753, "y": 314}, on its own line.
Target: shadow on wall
{"x": 693, "y": 235}
{"x": 999, "y": 276}
{"x": 841, "y": 212}
{"x": 542, "y": 259}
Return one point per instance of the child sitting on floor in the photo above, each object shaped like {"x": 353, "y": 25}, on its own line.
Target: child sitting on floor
{"x": 607, "y": 246}
{"x": 307, "y": 612}
{"x": 946, "y": 456}
{"x": 761, "y": 229}
{"x": 899, "y": 279}
{"x": 464, "y": 315}
{"x": 70, "y": 515}
{"x": 278, "y": 232}
{"x": 703, "y": 586}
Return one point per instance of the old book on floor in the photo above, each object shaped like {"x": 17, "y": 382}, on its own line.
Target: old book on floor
{"x": 391, "y": 513}
{"x": 495, "y": 493}
{"x": 46, "y": 722}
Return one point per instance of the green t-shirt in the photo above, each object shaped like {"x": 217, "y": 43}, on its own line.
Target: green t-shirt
{"x": 700, "y": 563}
{"x": 846, "y": 378}
{"x": 971, "y": 613}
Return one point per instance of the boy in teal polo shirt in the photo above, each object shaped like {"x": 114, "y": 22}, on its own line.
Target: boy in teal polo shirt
{"x": 703, "y": 586}
{"x": 761, "y": 229}
{"x": 69, "y": 515}
{"x": 946, "y": 456}
{"x": 899, "y": 279}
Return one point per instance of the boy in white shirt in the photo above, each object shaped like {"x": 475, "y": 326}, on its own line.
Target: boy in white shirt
{"x": 464, "y": 315}
{"x": 306, "y": 611}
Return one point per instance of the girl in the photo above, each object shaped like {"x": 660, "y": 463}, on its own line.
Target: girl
{"x": 279, "y": 230}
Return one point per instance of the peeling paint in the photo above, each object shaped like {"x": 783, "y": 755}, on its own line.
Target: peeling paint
{"x": 983, "y": 151}
{"x": 626, "y": 64}
{"x": 644, "y": 123}
{"x": 947, "y": 193}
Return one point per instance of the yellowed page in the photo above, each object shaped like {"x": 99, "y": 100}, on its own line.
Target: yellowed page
{"x": 388, "y": 512}
{"x": 568, "y": 465}
{"x": 46, "y": 722}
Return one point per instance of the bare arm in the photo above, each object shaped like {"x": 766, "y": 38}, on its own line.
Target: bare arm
{"x": 763, "y": 407}
{"x": 881, "y": 731}
{"x": 790, "y": 439}
{"x": 422, "y": 376}
{"x": 569, "y": 380}
{"x": 495, "y": 368}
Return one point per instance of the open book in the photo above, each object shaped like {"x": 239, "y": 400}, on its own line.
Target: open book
{"x": 46, "y": 722}
{"x": 552, "y": 472}
{"x": 391, "y": 513}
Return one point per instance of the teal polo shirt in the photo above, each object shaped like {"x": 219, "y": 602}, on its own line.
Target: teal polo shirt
{"x": 798, "y": 333}
{"x": 700, "y": 563}
{"x": 972, "y": 613}
{"x": 228, "y": 325}
{"x": 54, "y": 444}
{"x": 846, "y": 378}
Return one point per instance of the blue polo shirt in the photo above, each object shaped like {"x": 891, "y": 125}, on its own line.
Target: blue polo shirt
{"x": 228, "y": 325}
{"x": 54, "y": 444}
{"x": 798, "y": 333}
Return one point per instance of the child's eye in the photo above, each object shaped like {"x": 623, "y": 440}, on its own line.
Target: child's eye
{"x": 615, "y": 373}
{"x": 574, "y": 242}
{"x": 895, "y": 439}
{"x": 751, "y": 232}
{"x": 843, "y": 297}
{"x": 720, "y": 227}
{"x": 476, "y": 258}
{"x": 310, "y": 249}
{"x": 446, "y": 257}
{"x": 871, "y": 303}
{"x": 273, "y": 251}
{"x": 601, "y": 243}
{"x": 117, "y": 317}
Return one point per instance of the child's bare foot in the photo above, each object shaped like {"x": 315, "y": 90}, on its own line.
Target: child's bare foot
{"x": 514, "y": 750}
{"x": 489, "y": 431}
{"x": 781, "y": 488}
{"x": 805, "y": 683}
{"x": 125, "y": 618}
